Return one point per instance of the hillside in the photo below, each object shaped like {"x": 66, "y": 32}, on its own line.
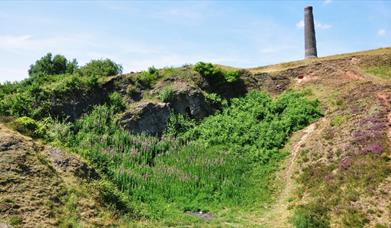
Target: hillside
{"x": 299, "y": 144}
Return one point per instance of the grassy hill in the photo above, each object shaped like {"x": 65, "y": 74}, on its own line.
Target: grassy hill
{"x": 301, "y": 144}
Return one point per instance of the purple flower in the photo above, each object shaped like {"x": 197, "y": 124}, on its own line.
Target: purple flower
{"x": 374, "y": 148}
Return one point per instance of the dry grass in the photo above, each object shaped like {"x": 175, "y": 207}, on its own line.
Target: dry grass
{"x": 306, "y": 62}
{"x": 36, "y": 193}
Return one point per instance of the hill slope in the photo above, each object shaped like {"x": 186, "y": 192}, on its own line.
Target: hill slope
{"x": 342, "y": 169}
{"x": 221, "y": 162}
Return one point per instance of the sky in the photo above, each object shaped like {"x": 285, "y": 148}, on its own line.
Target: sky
{"x": 139, "y": 34}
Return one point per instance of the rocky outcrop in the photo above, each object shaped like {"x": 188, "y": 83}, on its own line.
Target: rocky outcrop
{"x": 190, "y": 101}
{"x": 147, "y": 117}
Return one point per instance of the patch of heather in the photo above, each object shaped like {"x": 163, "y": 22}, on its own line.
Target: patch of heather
{"x": 374, "y": 148}
{"x": 345, "y": 162}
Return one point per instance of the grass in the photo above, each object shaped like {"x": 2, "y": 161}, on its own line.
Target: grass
{"x": 382, "y": 71}
{"x": 305, "y": 62}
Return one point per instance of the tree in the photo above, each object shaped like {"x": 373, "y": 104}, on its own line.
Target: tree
{"x": 101, "y": 67}
{"x": 49, "y": 65}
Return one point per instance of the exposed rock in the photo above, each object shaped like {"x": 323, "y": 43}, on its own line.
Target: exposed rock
{"x": 75, "y": 105}
{"x": 147, "y": 117}
{"x": 191, "y": 102}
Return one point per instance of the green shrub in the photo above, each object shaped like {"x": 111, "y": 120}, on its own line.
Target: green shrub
{"x": 231, "y": 76}
{"x": 30, "y": 127}
{"x": 147, "y": 78}
{"x": 57, "y": 131}
{"x": 216, "y": 74}
{"x": 166, "y": 94}
{"x": 101, "y": 68}
{"x": 116, "y": 102}
{"x": 178, "y": 124}
{"x": 153, "y": 70}
{"x": 215, "y": 99}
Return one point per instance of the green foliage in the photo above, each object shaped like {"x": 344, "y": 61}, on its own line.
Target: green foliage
{"x": 227, "y": 160}
{"x": 178, "y": 124}
{"x": 153, "y": 70}
{"x": 52, "y": 86}
{"x": 147, "y": 78}
{"x": 216, "y": 74}
{"x": 169, "y": 71}
{"x": 101, "y": 68}
{"x": 30, "y": 127}
{"x": 166, "y": 94}
{"x": 49, "y": 65}
{"x": 116, "y": 102}
{"x": 215, "y": 99}
{"x": 57, "y": 131}
{"x": 256, "y": 125}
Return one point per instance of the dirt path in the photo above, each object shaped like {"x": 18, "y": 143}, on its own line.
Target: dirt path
{"x": 279, "y": 213}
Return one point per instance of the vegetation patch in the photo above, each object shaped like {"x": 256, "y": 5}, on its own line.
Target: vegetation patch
{"x": 226, "y": 161}
{"x": 216, "y": 74}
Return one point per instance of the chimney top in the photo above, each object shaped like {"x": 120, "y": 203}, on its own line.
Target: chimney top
{"x": 308, "y": 8}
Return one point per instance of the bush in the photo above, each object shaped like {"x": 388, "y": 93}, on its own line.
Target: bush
{"x": 216, "y": 74}
{"x": 147, "y": 78}
{"x": 100, "y": 68}
{"x": 178, "y": 124}
{"x": 57, "y": 131}
{"x": 166, "y": 95}
{"x": 116, "y": 102}
{"x": 215, "y": 99}
{"x": 30, "y": 127}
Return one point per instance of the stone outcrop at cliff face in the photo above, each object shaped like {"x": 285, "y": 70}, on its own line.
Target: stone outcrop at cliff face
{"x": 191, "y": 102}
{"x": 147, "y": 117}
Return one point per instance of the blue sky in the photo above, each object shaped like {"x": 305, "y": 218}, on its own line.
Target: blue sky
{"x": 138, "y": 34}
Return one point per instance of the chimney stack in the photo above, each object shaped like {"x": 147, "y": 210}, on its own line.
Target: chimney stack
{"x": 309, "y": 34}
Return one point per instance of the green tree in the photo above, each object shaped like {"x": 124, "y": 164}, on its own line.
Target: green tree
{"x": 49, "y": 65}
{"x": 101, "y": 67}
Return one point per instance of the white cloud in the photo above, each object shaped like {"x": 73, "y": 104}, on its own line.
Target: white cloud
{"x": 318, "y": 25}
{"x": 322, "y": 26}
{"x": 300, "y": 24}
{"x": 381, "y": 32}
{"x": 326, "y": 2}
